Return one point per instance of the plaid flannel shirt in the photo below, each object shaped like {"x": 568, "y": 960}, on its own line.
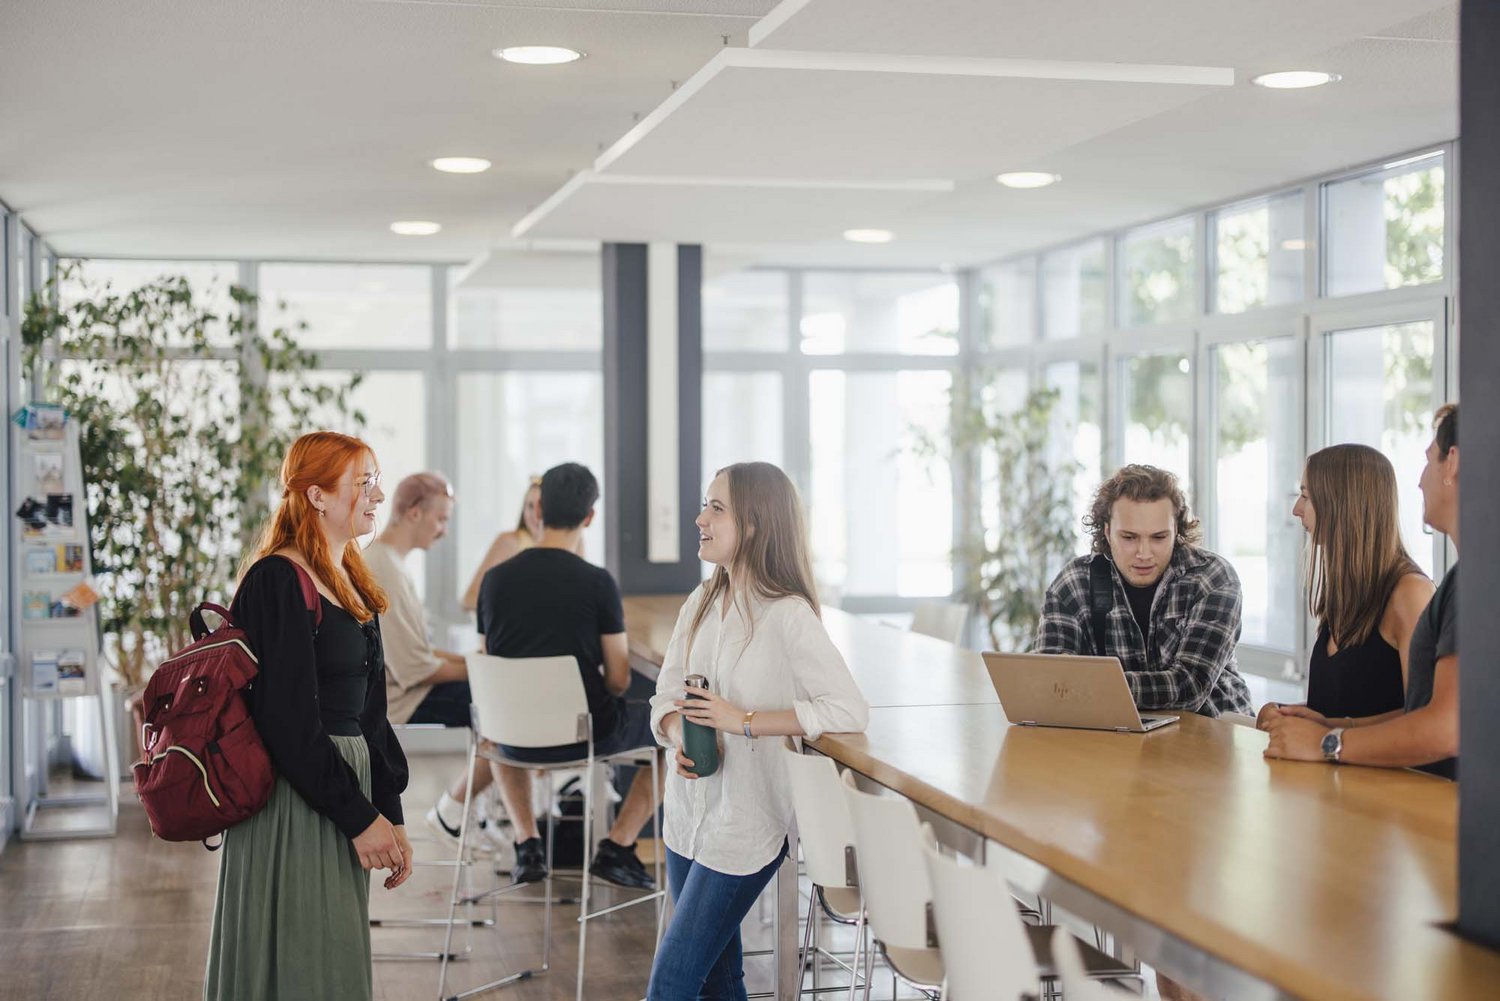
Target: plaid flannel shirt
{"x": 1186, "y": 660}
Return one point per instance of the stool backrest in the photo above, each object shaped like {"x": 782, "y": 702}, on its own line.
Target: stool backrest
{"x": 985, "y": 949}
{"x": 944, "y": 620}
{"x": 892, "y": 878}
{"x": 528, "y": 701}
{"x": 823, "y": 821}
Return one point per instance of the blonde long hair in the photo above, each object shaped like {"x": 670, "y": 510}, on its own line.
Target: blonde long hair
{"x": 320, "y": 459}
{"x": 1355, "y": 556}
{"x": 771, "y": 552}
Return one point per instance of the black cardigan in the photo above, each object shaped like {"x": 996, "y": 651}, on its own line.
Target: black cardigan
{"x": 283, "y": 701}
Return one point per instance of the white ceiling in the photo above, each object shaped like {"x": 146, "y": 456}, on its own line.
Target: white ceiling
{"x": 291, "y": 129}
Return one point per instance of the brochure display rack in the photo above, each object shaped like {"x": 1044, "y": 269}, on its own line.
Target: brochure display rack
{"x": 58, "y": 642}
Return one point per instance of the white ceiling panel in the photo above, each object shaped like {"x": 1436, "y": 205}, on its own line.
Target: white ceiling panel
{"x": 792, "y": 115}
{"x": 688, "y": 210}
{"x": 1216, "y": 32}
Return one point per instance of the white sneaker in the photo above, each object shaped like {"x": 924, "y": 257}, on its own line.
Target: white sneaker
{"x": 442, "y": 830}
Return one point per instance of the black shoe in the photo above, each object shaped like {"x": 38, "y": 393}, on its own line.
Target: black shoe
{"x": 619, "y": 865}
{"x": 531, "y": 862}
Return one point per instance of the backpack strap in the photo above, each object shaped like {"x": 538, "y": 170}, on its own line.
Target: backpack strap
{"x": 198, "y": 627}
{"x": 1101, "y": 599}
{"x": 309, "y": 594}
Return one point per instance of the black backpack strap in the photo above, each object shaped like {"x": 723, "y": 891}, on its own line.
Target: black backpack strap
{"x": 1101, "y": 599}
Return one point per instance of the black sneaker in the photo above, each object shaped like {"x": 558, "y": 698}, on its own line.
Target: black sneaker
{"x": 619, "y": 865}
{"x": 531, "y": 862}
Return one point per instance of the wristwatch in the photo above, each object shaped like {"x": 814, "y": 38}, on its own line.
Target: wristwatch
{"x": 1333, "y": 744}
{"x": 746, "y": 725}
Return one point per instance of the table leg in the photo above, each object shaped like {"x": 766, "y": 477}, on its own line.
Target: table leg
{"x": 788, "y": 969}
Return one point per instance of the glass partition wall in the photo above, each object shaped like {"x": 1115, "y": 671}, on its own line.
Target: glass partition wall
{"x": 1224, "y": 344}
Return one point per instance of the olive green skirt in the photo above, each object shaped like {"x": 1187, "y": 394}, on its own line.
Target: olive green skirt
{"x": 292, "y": 918}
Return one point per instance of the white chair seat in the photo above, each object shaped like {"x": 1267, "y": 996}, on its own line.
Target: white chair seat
{"x": 843, "y": 901}
{"x": 920, "y": 967}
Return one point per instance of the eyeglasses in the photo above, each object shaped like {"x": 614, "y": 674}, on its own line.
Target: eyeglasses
{"x": 370, "y": 484}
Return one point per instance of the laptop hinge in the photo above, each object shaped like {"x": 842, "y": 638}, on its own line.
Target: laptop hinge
{"x": 1028, "y": 722}
{"x": 1122, "y": 729}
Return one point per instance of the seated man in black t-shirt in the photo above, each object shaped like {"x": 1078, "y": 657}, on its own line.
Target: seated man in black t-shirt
{"x": 547, "y": 601}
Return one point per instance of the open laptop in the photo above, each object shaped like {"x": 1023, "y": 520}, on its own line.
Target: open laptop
{"x": 1086, "y": 693}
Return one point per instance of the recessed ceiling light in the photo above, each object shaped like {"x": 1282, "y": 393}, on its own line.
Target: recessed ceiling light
{"x": 461, "y": 164}
{"x": 1296, "y": 243}
{"x": 415, "y": 227}
{"x": 1028, "y": 179}
{"x": 869, "y": 235}
{"x": 1294, "y": 79}
{"x": 538, "y": 55}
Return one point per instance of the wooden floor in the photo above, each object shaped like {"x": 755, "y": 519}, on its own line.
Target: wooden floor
{"x": 128, "y": 918}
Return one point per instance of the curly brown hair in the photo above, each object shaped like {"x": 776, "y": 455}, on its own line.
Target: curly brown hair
{"x": 1142, "y": 484}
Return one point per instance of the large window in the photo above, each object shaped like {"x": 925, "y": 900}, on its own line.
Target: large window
{"x": 1077, "y": 437}
{"x": 513, "y": 426}
{"x": 881, "y": 509}
{"x": 1156, "y": 419}
{"x": 1385, "y": 228}
{"x": 351, "y": 306}
{"x": 1380, "y": 393}
{"x": 1257, "y": 462}
{"x": 853, "y": 313}
{"x": 746, "y": 311}
{"x": 1157, "y": 274}
{"x": 209, "y": 281}
{"x": 1075, "y": 291}
{"x": 560, "y": 311}
{"x": 1007, "y": 303}
{"x": 742, "y": 419}
{"x": 1258, "y": 253}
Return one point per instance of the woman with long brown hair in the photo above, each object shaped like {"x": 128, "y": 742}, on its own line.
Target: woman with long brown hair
{"x": 1425, "y": 734}
{"x": 1364, "y": 590}
{"x": 754, "y": 631}
{"x": 291, "y": 920}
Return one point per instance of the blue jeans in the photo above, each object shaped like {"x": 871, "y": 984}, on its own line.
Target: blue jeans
{"x": 700, "y": 955}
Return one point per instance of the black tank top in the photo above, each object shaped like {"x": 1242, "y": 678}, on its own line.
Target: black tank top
{"x": 1363, "y": 680}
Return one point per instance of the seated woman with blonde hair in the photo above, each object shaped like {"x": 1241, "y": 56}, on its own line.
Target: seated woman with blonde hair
{"x": 507, "y": 544}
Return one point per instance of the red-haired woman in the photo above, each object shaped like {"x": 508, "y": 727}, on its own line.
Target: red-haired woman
{"x": 292, "y": 915}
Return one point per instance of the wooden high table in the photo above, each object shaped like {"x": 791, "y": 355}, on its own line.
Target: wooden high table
{"x": 1244, "y": 877}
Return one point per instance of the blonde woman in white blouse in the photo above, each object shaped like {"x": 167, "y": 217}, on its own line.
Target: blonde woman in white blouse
{"x": 753, "y": 630}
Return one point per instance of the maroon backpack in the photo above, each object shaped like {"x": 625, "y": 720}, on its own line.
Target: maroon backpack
{"x": 204, "y": 768}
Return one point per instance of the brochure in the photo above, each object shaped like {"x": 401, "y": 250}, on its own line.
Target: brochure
{"x": 40, "y": 561}
{"x": 49, "y": 473}
{"x": 72, "y": 678}
{"x": 44, "y": 672}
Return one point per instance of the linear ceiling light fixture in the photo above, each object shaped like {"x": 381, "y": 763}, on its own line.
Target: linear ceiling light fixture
{"x": 461, "y": 164}
{"x": 1028, "y": 179}
{"x": 538, "y": 55}
{"x": 869, "y": 235}
{"x": 415, "y": 227}
{"x": 1295, "y": 79}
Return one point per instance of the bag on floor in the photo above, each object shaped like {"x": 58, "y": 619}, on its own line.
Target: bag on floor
{"x": 204, "y": 768}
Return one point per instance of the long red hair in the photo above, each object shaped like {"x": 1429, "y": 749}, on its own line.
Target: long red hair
{"x": 320, "y": 459}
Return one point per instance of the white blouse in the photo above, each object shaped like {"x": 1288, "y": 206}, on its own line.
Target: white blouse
{"x": 734, "y": 821}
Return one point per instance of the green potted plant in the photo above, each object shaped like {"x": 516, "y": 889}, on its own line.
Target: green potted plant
{"x": 185, "y": 414}
{"x": 1026, "y": 530}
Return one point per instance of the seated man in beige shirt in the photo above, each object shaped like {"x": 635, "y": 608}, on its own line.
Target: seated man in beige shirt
{"x": 423, "y": 684}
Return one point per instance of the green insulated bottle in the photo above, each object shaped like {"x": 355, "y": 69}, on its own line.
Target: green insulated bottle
{"x": 700, "y": 743}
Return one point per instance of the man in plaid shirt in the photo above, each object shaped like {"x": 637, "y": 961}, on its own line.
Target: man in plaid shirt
{"x": 1175, "y": 615}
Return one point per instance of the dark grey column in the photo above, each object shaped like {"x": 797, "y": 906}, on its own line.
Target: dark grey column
{"x": 626, "y": 457}
{"x": 1479, "y": 443}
